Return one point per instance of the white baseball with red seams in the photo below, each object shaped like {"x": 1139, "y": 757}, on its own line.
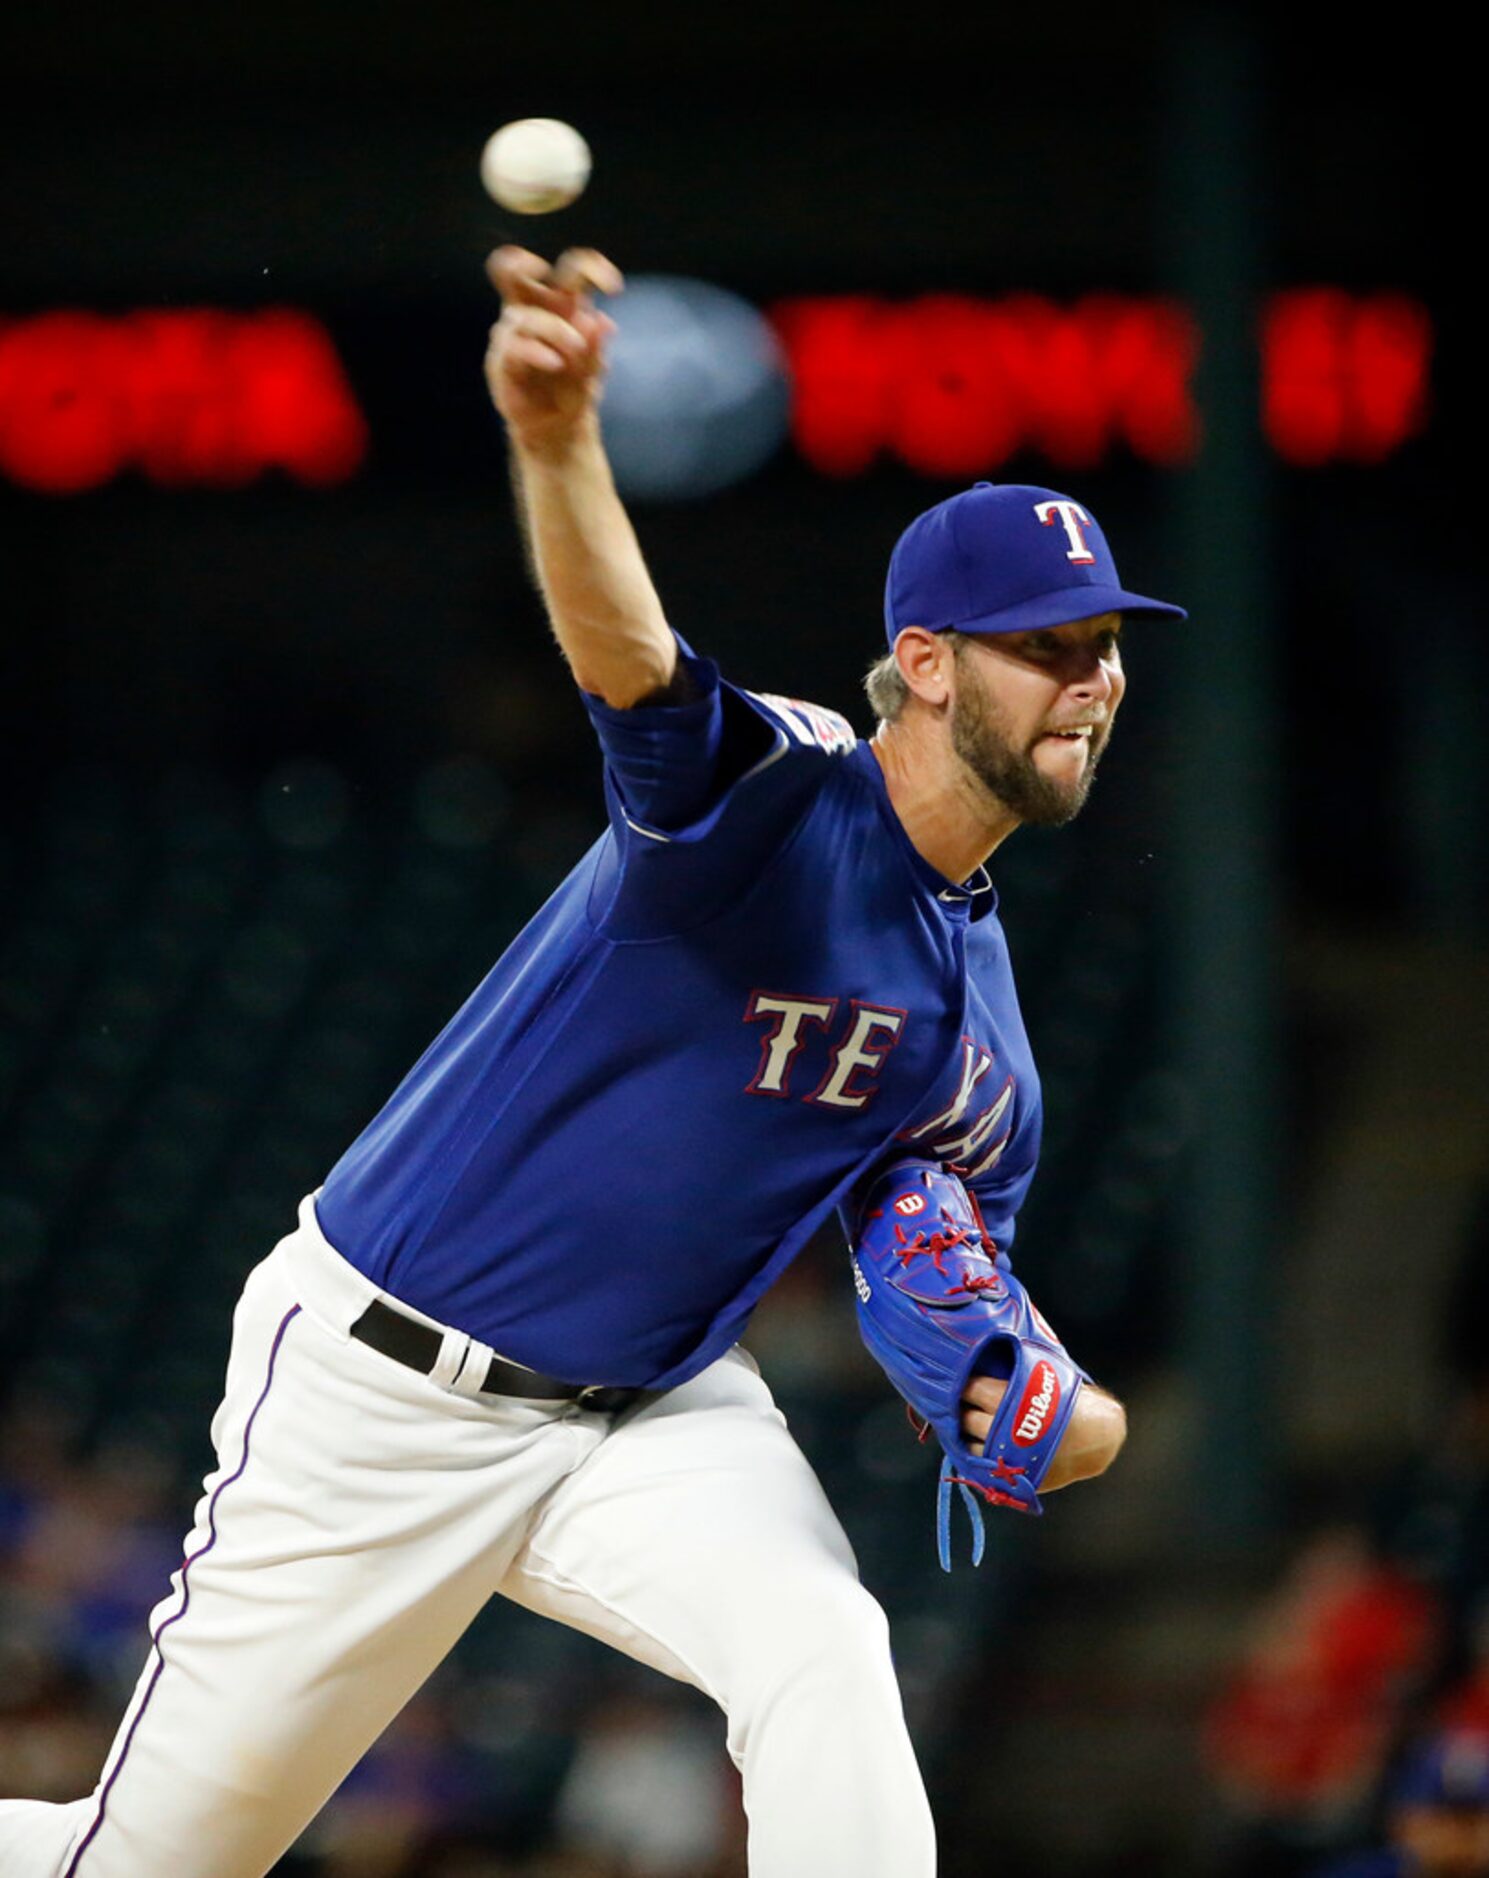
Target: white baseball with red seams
{"x": 535, "y": 165}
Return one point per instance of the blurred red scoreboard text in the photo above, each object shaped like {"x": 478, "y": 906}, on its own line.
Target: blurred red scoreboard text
{"x": 949, "y": 384}
{"x": 189, "y": 396}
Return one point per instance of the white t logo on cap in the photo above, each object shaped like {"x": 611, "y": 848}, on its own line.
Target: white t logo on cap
{"x": 1072, "y": 519}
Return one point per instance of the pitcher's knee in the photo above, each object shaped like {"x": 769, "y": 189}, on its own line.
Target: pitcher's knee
{"x": 827, "y": 1647}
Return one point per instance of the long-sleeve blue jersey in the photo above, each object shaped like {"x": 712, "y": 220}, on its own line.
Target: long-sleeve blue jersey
{"x": 750, "y": 992}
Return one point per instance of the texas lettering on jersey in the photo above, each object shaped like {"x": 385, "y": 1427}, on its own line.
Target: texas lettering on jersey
{"x": 871, "y": 1032}
{"x": 970, "y": 1132}
{"x": 974, "y": 1128}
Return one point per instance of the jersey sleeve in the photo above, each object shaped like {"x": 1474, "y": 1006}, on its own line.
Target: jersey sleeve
{"x": 699, "y": 792}
{"x": 667, "y": 764}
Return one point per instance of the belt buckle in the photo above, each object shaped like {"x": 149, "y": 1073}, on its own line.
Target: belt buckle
{"x": 604, "y": 1398}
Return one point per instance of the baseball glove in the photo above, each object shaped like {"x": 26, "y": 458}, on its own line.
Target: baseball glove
{"x": 938, "y": 1305}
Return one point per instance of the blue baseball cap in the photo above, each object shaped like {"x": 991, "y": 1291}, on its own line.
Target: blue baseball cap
{"x": 1006, "y": 558}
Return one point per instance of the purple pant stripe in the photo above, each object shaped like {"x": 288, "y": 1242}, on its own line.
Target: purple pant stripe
{"x": 211, "y": 1540}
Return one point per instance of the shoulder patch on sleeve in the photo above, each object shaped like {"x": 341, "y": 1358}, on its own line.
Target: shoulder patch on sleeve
{"x": 811, "y": 724}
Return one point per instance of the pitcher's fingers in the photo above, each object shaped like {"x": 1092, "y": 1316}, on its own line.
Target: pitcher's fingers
{"x": 985, "y": 1391}
{"x": 578, "y": 268}
{"x": 521, "y": 349}
{"x": 508, "y": 345}
{"x": 551, "y": 329}
{"x": 594, "y": 325}
{"x": 975, "y": 1425}
{"x": 523, "y": 278}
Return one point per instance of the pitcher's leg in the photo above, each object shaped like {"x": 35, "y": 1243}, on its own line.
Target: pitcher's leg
{"x": 697, "y": 1539}
{"x": 358, "y": 1518}
{"x": 36, "y": 1836}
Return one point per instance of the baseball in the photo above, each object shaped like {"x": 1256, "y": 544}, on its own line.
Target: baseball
{"x": 534, "y": 165}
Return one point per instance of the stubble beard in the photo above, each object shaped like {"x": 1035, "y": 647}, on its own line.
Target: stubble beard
{"x": 979, "y": 736}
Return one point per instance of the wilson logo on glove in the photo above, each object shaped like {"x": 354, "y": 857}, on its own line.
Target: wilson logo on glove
{"x": 910, "y": 1204}
{"x": 1041, "y": 1399}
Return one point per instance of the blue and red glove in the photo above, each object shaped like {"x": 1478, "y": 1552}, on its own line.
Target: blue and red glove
{"x": 938, "y": 1305}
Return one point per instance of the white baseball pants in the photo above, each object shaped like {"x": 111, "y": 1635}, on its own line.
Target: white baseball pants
{"x": 359, "y": 1516}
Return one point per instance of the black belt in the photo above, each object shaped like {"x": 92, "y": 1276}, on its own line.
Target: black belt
{"x": 417, "y": 1346}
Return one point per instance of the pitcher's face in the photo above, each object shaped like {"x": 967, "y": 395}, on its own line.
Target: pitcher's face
{"x": 1033, "y": 712}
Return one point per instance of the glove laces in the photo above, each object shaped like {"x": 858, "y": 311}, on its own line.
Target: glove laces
{"x": 971, "y": 1491}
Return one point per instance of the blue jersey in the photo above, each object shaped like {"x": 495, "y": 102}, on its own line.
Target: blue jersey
{"x": 749, "y": 993}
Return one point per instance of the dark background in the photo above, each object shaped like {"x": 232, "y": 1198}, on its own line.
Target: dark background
{"x": 283, "y": 768}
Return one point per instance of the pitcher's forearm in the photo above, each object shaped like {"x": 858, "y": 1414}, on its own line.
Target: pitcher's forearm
{"x": 545, "y": 366}
{"x": 585, "y": 557}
